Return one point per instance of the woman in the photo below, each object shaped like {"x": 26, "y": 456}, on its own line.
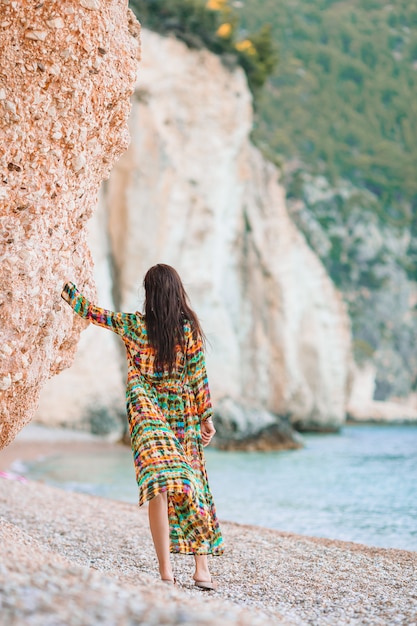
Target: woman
{"x": 170, "y": 417}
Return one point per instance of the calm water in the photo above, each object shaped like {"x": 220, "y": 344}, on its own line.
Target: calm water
{"x": 360, "y": 485}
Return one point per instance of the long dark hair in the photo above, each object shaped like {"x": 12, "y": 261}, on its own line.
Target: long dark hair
{"x": 167, "y": 307}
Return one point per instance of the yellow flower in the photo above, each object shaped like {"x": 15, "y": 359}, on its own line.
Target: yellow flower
{"x": 224, "y": 30}
{"x": 246, "y": 46}
{"x": 216, "y": 5}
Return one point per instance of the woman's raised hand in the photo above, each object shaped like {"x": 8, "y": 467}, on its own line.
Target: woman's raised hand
{"x": 207, "y": 431}
{"x": 64, "y": 293}
{"x": 66, "y": 288}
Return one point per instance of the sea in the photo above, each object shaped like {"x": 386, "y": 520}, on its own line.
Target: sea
{"x": 358, "y": 485}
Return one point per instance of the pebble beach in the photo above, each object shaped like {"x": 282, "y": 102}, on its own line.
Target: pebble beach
{"x": 73, "y": 559}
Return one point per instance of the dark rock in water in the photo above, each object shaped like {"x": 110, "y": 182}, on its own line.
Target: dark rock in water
{"x": 313, "y": 426}
{"x": 274, "y": 437}
{"x": 239, "y": 428}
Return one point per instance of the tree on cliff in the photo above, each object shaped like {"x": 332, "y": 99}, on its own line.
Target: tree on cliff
{"x": 213, "y": 25}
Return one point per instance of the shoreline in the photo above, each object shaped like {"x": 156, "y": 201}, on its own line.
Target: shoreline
{"x": 266, "y": 576}
{"x": 39, "y": 443}
{"x": 36, "y": 441}
{"x": 325, "y": 541}
{"x": 380, "y": 422}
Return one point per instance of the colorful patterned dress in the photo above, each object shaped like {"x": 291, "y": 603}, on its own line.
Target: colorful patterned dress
{"x": 164, "y": 411}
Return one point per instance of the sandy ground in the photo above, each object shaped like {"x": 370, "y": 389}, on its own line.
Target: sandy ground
{"x": 36, "y": 441}
{"x": 71, "y": 559}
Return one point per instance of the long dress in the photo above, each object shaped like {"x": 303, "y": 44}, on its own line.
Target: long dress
{"x": 165, "y": 410}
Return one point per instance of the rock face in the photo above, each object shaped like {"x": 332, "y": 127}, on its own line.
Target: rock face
{"x": 90, "y": 394}
{"x": 192, "y": 191}
{"x": 67, "y": 73}
{"x": 363, "y": 408}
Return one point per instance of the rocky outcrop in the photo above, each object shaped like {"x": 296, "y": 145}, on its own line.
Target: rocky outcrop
{"x": 377, "y": 412}
{"x": 368, "y": 253}
{"x": 252, "y": 430}
{"x": 90, "y": 394}
{"x": 67, "y": 73}
{"x": 363, "y": 408}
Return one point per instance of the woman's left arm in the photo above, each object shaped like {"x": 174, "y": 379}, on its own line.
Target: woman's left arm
{"x": 207, "y": 431}
{"x": 197, "y": 376}
{"x": 117, "y": 322}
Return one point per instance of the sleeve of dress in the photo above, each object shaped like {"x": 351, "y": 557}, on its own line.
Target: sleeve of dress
{"x": 197, "y": 377}
{"x": 117, "y": 322}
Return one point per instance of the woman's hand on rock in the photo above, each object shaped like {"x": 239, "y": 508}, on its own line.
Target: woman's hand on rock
{"x": 207, "y": 431}
{"x": 64, "y": 294}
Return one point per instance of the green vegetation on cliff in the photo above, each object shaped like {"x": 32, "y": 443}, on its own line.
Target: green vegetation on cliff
{"x": 344, "y": 96}
{"x": 212, "y": 24}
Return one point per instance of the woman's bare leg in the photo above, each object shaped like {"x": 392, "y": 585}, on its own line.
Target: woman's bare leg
{"x": 202, "y": 572}
{"x": 158, "y": 522}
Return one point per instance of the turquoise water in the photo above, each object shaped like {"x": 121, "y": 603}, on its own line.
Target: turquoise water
{"x": 359, "y": 485}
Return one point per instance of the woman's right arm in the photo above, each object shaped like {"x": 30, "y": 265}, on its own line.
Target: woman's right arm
{"x": 117, "y": 322}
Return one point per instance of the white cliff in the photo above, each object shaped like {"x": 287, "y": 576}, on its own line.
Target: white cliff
{"x": 363, "y": 408}
{"x": 192, "y": 191}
